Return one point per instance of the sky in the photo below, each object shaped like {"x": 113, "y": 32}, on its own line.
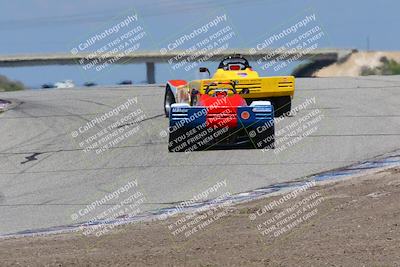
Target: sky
{"x": 45, "y": 26}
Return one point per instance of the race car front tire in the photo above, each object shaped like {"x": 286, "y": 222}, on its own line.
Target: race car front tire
{"x": 169, "y": 99}
{"x": 264, "y": 139}
{"x": 176, "y": 140}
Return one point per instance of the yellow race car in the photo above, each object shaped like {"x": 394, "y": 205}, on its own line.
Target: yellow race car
{"x": 279, "y": 90}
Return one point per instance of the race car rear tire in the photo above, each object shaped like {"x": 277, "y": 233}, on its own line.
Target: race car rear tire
{"x": 176, "y": 141}
{"x": 265, "y": 139}
{"x": 169, "y": 99}
{"x": 282, "y": 105}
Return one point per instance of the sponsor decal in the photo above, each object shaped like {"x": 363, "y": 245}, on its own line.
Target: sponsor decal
{"x": 245, "y": 115}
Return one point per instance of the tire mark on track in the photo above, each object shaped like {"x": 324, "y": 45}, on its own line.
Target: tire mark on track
{"x": 94, "y": 102}
{"x": 147, "y": 119}
{"x": 31, "y": 157}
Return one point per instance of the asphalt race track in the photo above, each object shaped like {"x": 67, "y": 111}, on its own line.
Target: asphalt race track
{"x": 45, "y": 176}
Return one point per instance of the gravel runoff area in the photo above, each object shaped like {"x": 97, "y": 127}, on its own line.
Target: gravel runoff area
{"x": 353, "y": 222}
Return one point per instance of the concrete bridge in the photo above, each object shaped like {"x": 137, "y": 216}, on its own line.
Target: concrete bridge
{"x": 152, "y": 57}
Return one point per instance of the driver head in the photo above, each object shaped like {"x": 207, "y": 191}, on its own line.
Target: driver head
{"x": 220, "y": 92}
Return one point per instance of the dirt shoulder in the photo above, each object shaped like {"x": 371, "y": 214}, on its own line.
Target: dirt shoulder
{"x": 353, "y": 65}
{"x": 354, "y": 222}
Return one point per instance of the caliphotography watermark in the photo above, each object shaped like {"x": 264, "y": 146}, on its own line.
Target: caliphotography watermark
{"x": 199, "y": 44}
{"x": 289, "y": 44}
{"x": 111, "y": 210}
{"x": 198, "y": 213}
{"x": 200, "y": 136}
{"x": 303, "y": 126}
{"x": 292, "y": 132}
{"x": 111, "y": 44}
{"x": 278, "y": 217}
{"x": 110, "y": 128}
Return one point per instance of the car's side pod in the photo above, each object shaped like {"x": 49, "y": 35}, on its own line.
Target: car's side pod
{"x": 172, "y": 94}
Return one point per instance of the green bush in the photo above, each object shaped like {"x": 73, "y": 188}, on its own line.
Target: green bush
{"x": 388, "y": 67}
{"x": 365, "y": 71}
{"x": 7, "y": 85}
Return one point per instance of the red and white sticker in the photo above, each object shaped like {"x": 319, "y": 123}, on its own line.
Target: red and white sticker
{"x": 245, "y": 115}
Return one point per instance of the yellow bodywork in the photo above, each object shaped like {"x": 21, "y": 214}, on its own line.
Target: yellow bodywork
{"x": 258, "y": 87}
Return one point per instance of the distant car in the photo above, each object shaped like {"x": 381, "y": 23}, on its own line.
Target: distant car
{"x": 218, "y": 118}
{"x": 47, "y": 85}
{"x": 64, "y": 84}
{"x": 89, "y": 84}
{"x": 4, "y": 104}
{"x": 125, "y": 82}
